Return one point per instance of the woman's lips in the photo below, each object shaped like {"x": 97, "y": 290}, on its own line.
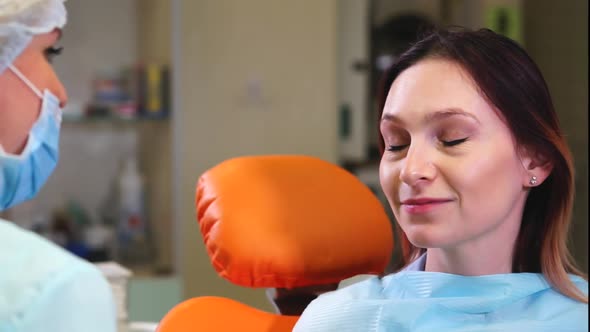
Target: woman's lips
{"x": 422, "y": 205}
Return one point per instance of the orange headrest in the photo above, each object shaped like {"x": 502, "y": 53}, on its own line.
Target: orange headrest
{"x": 290, "y": 221}
{"x": 211, "y": 313}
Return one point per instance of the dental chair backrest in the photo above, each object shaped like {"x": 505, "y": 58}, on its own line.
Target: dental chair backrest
{"x": 283, "y": 222}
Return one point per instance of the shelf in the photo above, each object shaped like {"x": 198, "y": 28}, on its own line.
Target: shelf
{"x": 114, "y": 120}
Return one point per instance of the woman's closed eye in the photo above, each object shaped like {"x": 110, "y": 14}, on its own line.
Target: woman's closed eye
{"x": 451, "y": 143}
{"x": 455, "y": 142}
{"x": 396, "y": 148}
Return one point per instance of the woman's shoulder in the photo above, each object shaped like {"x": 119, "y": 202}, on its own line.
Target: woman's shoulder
{"x": 509, "y": 302}
{"x": 580, "y": 282}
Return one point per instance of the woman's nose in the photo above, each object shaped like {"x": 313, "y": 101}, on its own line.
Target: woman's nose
{"x": 418, "y": 167}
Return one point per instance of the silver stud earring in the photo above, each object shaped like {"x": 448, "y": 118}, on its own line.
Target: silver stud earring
{"x": 533, "y": 180}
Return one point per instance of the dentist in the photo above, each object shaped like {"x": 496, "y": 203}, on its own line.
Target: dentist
{"x": 42, "y": 287}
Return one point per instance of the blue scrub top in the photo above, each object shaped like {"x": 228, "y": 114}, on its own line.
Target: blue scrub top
{"x": 414, "y": 300}
{"x": 44, "y": 288}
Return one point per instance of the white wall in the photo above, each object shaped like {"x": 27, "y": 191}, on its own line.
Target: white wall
{"x": 353, "y": 46}
{"x": 258, "y": 77}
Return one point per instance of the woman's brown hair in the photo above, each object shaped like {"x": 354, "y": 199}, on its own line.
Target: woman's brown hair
{"x": 510, "y": 81}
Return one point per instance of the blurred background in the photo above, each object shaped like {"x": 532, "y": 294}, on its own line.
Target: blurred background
{"x": 162, "y": 90}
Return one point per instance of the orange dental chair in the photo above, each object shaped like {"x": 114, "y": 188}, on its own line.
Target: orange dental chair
{"x": 297, "y": 224}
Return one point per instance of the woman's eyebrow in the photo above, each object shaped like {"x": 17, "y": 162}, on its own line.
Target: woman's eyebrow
{"x": 448, "y": 112}
{"x": 433, "y": 116}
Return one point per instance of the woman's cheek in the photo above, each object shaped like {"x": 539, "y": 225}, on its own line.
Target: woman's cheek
{"x": 386, "y": 179}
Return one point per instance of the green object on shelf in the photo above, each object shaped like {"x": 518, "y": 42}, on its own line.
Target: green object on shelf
{"x": 345, "y": 121}
{"x": 505, "y": 20}
{"x": 150, "y": 298}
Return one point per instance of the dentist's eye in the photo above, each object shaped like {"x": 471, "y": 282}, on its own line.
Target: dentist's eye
{"x": 454, "y": 142}
{"x": 396, "y": 148}
{"x": 52, "y": 52}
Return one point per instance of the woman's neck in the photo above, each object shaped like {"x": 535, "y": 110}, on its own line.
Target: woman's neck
{"x": 467, "y": 263}
{"x": 489, "y": 253}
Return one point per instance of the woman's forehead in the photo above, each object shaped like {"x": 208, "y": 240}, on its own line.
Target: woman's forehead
{"x": 433, "y": 84}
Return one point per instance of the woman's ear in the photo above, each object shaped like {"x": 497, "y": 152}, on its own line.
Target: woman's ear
{"x": 536, "y": 167}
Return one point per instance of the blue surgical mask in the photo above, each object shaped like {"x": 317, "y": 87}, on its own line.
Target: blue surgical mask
{"x": 22, "y": 176}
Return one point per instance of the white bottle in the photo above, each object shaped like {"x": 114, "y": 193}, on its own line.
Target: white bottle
{"x": 131, "y": 230}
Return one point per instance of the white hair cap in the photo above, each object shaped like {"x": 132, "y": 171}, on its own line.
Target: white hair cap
{"x": 20, "y": 20}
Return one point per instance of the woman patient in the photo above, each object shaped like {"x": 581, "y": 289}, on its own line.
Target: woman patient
{"x": 480, "y": 180}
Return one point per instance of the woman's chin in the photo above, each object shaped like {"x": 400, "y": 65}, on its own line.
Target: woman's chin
{"x": 423, "y": 239}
